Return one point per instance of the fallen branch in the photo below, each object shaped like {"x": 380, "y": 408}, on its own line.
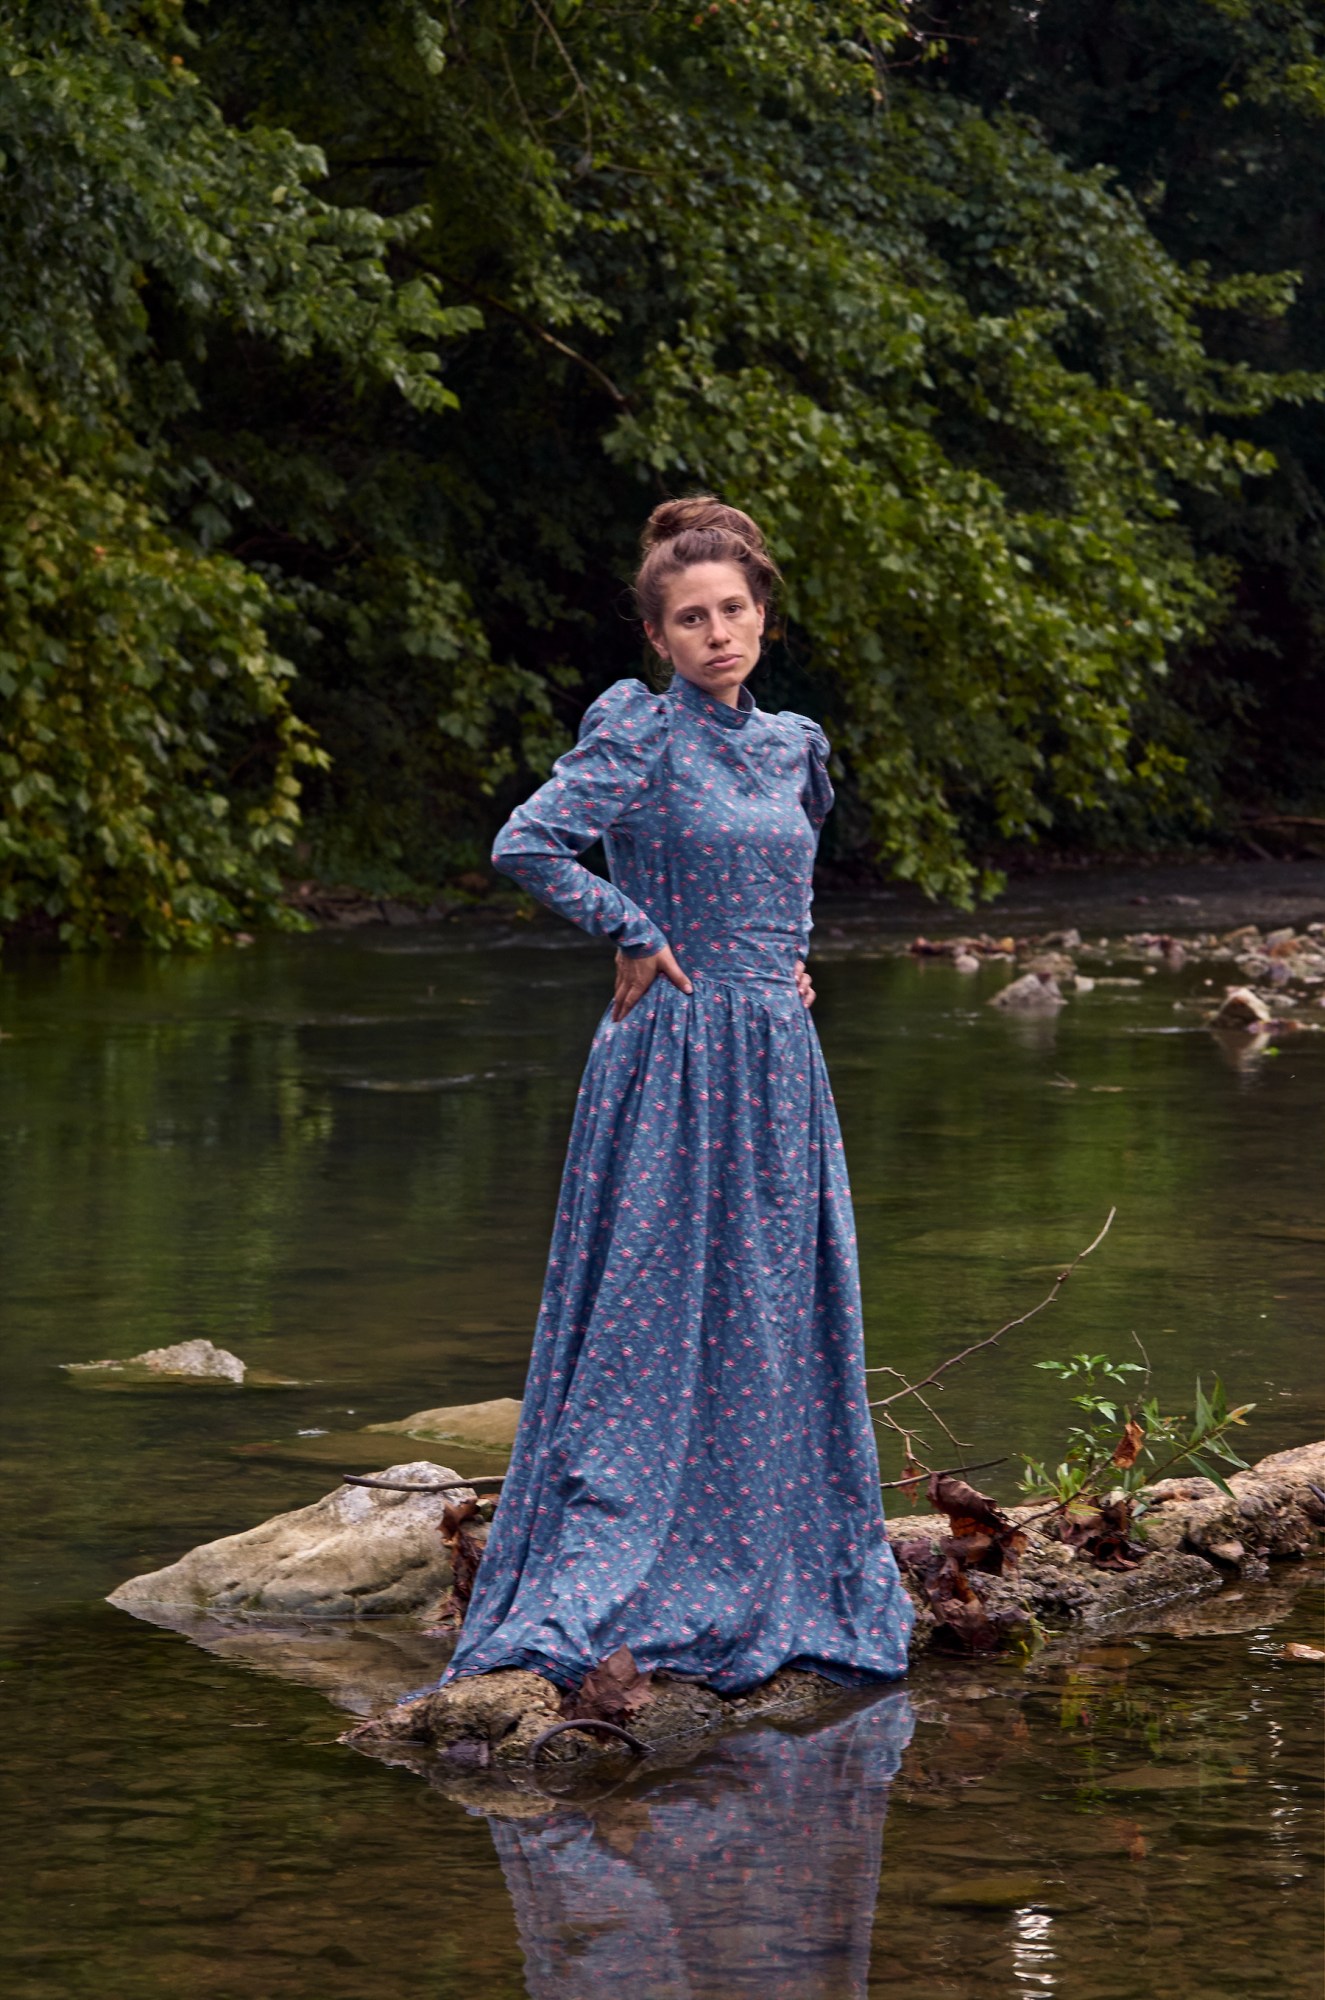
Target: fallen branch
{"x": 405, "y": 1486}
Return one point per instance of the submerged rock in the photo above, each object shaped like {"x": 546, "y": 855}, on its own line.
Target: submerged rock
{"x": 185, "y": 1361}
{"x": 486, "y": 1426}
{"x": 355, "y": 1553}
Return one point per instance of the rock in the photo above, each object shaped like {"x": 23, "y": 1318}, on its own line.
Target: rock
{"x": 494, "y": 1720}
{"x": 186, "y": 1361}
{"x": 1241, "y": 1008}
{"x": 1272, "y": 1510}
{"x": 965, "y": 961}
{"x": 1295, "y": 1650}
{"x": 1246, "y": 936}
{"x": 487, "y": 1426}
{"x": 1276, "y": 940}
{"x": 352, "y": 1554}
{"x": 1069, "y": 940}
{"x": 291, "y": 1597}
{"x": 1034, "y": 993}
{"x": 1081, "y": 983}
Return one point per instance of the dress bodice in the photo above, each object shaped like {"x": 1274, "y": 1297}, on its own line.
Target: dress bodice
{"x": 710, "y": 816}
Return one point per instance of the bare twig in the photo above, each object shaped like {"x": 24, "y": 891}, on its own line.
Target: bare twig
{"x": 944, "y": 1472}
{"x": 989, "y": 1339}
{"x": 591, "y": 368}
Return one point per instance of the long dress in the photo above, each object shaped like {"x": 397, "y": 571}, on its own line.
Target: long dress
{"x": 695, "y": 1472}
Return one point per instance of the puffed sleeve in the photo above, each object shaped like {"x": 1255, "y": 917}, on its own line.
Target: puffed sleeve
{"x": 816, "y": 798}
{"x": 816, "y": 790}
{"x": 622, "y": 740}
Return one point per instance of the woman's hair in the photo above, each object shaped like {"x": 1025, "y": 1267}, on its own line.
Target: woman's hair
{"x": 697, "y": 530}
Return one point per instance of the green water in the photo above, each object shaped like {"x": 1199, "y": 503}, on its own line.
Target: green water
{"x": 338, "y": 1156}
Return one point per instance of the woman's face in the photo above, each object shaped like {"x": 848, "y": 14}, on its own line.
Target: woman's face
{"x": 711, "y": 628}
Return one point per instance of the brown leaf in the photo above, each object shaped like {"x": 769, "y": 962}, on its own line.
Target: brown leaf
{"x": 613, "y": 1691}
{"x": 1129, "y": 1444}
{"x": 982, "y": 1535}
{"x": 969, "y": 1511}
{"x": 912, "y": 1474}
{"x": 466, "y": 1555}
{"x": 1103, "y": 1533}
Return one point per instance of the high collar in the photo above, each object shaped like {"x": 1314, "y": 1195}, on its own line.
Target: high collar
{"x": 725, "y": 713}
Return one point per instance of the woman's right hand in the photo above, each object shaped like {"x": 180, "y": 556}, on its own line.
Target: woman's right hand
{"x": 634, "y": 977}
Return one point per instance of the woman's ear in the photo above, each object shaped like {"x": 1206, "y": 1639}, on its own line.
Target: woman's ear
{"x": 655, "y": 640}
{"x": 762, "y": 609}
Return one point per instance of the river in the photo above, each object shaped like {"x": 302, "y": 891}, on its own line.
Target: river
{"x": 337, "y": 1155}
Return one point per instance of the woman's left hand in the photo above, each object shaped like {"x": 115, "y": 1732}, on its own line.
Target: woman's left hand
{"x": 803, "y": 985}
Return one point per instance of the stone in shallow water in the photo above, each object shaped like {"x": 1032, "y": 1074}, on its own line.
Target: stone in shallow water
{"x": 1168, "y": 1778}
{"x": 1036, "y": 993}
{"x": 490, "y": 1424}
{"x": 184, "y": 1361}
{"x": 994, "y": 1892}
{"x": 353, "y": 1554}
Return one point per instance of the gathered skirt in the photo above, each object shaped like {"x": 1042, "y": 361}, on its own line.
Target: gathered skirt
{"x": 695, "y": 1473}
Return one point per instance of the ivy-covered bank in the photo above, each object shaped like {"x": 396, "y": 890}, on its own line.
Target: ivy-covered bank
{"x": 343, "y": 351}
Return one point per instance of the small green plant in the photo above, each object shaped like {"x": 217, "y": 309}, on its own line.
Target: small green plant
{"x": 1123, "y": 1445}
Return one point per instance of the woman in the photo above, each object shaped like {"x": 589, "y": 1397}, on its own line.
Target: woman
{"x": 695, "y": 1474}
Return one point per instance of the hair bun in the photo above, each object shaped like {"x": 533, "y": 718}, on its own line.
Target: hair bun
{"x": 699, "y": 511}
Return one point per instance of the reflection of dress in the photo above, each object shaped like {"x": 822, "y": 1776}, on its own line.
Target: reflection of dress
{"x": 754, "y": 1874}
{"x": 695, "y": 1473}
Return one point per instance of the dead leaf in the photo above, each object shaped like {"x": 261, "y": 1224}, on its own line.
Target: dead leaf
{"x": 1295, "y": 1650}
{"x": 613, "y": 1691}
{"x": 1128, "y": 1447}
{"x": 1102, "y": 1533}
{"x": 466, "y": 1555}
{"x": 982, "y": 1535}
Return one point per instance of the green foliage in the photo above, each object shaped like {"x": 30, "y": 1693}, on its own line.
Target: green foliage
{"x": 151, "y": 760}
{"x": 1000, "y": 427}
{"x": 1122, "y": 1446}
{"x": 1212, "y": 115}
{"x": 967, "y": 390}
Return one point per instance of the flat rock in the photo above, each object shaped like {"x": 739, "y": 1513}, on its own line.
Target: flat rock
{"x": 185, "y": 1361}
{"x": 488, "y": 1425}
{"x": 353, "y": 1554}
{"x": 1274, "y": 1509}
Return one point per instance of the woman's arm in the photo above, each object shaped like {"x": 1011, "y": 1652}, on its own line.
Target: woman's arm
{"x": 622, "y": 741}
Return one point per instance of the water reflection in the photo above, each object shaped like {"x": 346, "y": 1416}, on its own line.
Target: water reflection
{"x": 754, "y": 1873}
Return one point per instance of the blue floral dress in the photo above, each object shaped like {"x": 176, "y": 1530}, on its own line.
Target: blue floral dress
{"x": 695, "y": 1473}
